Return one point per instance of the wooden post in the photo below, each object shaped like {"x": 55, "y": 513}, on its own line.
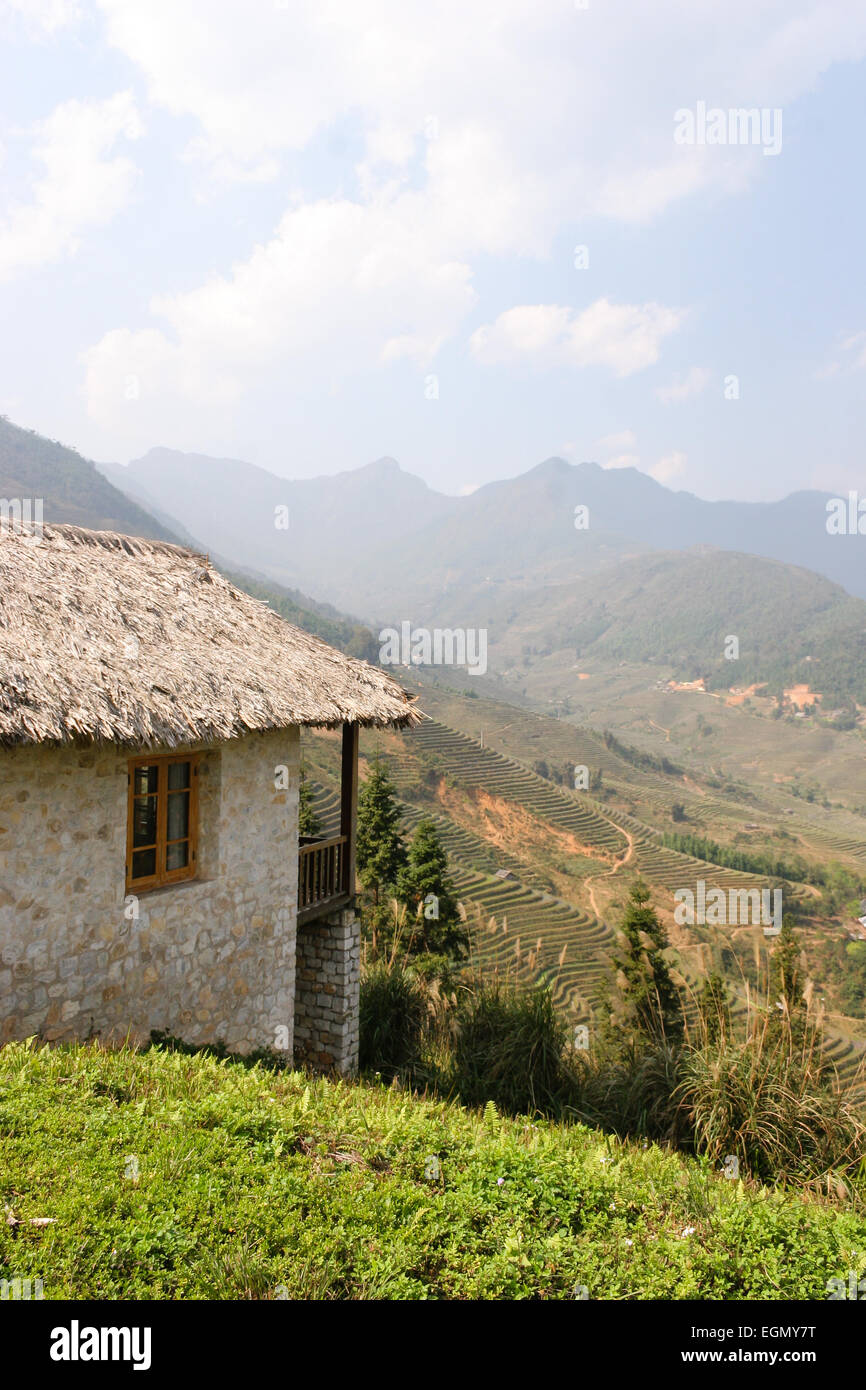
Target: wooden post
{"x": 349, "y": 803}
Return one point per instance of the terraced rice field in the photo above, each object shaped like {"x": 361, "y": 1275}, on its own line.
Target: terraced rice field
{"x": 601, "y": 829}
{"x": 840, "y": 846}
{"x": 839, "y": 833}
{"x": 525, "y": 933}
{"x": 519, "y": 927}
{"x": 464, "y": 759}
{"x": 460, "y": 844}
{"x": 535, "y": 936}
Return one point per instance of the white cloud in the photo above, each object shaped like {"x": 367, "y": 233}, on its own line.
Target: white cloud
{"x": 622, "y": 461}
{"x": 84, "y": 183}
{"x": 620, "y": 449}
{"x": 623, "y": 337}
{"x": 851, "y": 356}
{"x": 39, "y": 18}
{"x": 855, "y": 344}
{"x": 475, "y": 130}
{"x": 339, "y": 288}
{"x": 668, "y": 468}
{"x": 519, "y": 92}
{"x": 626, "y": 439}
{"x": 683, "y": 387}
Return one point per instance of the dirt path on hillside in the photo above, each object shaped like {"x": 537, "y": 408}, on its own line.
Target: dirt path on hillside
{"x": 666, "y": 732}
{"x": 615, "y": 868}
{"x": 689, "y": 783}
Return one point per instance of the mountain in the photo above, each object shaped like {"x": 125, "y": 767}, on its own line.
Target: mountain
{"x": 677, "y": 612}
{"x": 561, "y": 564}
{"x": 74, "y": 491}
{"x": 234, "y": 507}
{"x": 522, "y": 532}
{"x": 70, "y": 486}
{"x": 360, "y": 537}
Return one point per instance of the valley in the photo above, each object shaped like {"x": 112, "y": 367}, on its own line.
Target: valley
{"x": 608, "y": 738}
{"x": 543, "y": 870}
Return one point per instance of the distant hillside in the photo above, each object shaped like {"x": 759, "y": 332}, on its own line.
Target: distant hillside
{"x": 678, "y": 610}
{"x": 652, "y": 576}
{"x": 71, "y": 487}
{"x": 361, "y": 538}
{"x": 333, "y": 522}
{"x": 318, "y": 618}
{"x": 76, "y": 492}
{"x": 379, "y": 543}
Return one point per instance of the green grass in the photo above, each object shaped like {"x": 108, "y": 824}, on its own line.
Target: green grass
{"x": 260, "y": 1184}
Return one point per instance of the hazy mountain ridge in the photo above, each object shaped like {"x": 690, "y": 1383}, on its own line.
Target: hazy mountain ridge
{"x": 332, "y": 521}
{"x": 642, "y": 575}
{"x": 509, "y": 558}
{"x": 72, "y": 489}
{"x": 75, "y": 491}
{"x": 404, "y": 533}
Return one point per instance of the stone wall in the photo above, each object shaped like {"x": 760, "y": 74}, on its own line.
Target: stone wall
{"x": 326, "y": 1004}
{"x": 207, "y": 959}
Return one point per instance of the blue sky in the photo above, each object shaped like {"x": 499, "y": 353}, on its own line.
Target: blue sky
{"x": 310, "y": 234}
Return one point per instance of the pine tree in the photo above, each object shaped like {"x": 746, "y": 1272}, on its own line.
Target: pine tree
{"x": 426, "y": 886}
{"x": 379, "y": 848}
{"x": 308, "y": 822}
{"x": 651, "y": 1010}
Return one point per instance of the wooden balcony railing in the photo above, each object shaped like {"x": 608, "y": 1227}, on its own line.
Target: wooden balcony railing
{"x": 326, "y": 868}
{"x": 322, "y": 874}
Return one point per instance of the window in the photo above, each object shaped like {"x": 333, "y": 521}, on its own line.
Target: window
{"x": 163, "y": 821}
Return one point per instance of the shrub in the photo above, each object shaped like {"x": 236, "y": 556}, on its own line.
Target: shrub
{"x": 770, "y": 1102}
{"x": 510, "y": 1047}
{"x": 630, "y": 1091}
{"x": 392, "y": 1019}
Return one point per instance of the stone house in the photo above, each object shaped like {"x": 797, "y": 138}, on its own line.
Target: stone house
{"x": 151, "y": 875}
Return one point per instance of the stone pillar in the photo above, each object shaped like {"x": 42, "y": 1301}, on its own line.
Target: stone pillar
{"x": 328, "y": 975}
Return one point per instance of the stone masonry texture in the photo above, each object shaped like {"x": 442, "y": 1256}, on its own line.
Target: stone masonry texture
{"x": 210, "y": 959}
{"x": 326, "y": 1008}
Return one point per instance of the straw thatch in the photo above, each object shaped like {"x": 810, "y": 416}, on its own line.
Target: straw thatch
{"x": 112, "y": 639}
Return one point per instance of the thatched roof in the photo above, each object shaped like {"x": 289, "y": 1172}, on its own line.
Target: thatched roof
{"x": 111, "y": 639}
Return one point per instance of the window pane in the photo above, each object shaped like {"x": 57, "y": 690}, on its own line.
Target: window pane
{"x": 145, "y": 779}
{"x": 162, "y": 847}
{"x": 144, "y": 820}
{"x": 144, "y": 863}
{"x": 178, "y": 776}
{"x": 178, "y": 816}
{"x": 177, "y": 856}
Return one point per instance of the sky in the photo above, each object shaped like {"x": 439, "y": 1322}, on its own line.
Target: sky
{"x": 310, "y": 233}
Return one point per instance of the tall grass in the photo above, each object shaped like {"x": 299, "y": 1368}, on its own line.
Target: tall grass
{"x": 393, "y": 1019}
{"x": 761, "y": 1091}
{"x": 630, "y": 1092}
{"x": 764, "y": 1095}
{"x": 769, "y": 1098}
{"x": 510, "y": 1047}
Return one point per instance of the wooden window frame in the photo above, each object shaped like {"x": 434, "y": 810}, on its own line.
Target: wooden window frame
{"x": 163, "y": 877}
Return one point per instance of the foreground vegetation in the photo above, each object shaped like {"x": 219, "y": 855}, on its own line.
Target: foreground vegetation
{"x": 163, "y": 1175}
{"x": 656, "y": 1061}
